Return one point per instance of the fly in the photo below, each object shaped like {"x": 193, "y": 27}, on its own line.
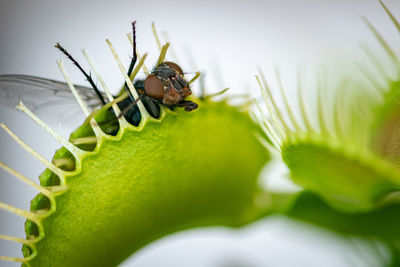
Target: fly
{"x": 165, "y": 85}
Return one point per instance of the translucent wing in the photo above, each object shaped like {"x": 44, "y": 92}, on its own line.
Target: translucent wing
{"x": 37, "y": 92}
{"x": 49, "y": 99}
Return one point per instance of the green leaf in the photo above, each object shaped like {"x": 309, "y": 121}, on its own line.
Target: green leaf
{"x": 186, "y": 170}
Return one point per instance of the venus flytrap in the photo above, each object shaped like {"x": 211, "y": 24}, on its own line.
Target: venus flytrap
{"x": 351, "y": 160}
{"x": 114, "y": 187}
{"x": 344, "y": 156}
{"x": 337, "y": 166}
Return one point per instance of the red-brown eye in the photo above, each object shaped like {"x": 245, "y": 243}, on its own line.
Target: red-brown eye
{"x": 174, "y": 66}
{"x": 154, "y": 87}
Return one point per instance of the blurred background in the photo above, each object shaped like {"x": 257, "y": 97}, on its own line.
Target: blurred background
{"x": 227, "y": 41}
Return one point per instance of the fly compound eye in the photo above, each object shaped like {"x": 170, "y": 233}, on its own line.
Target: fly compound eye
{"x": 154, "y": 87}
{"x": 174, "y": 66}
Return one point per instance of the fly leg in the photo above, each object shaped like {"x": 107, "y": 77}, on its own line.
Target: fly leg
{"x": 133, "y": 60}
{"x": 88, "y": 77}
{"x": 134, "y": 56}
{"x": 188, "y": 105}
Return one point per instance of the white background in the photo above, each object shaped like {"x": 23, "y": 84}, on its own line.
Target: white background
{"x": 228, "y": 40}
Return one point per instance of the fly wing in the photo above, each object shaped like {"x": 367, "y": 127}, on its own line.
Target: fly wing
{"x": 49, "y": 99}
{"x": 37, "y": 92}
